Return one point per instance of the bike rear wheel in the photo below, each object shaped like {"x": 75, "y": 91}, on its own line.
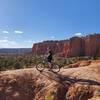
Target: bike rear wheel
{"x": 40, "y": 67}
{"x": 55, "y": 68}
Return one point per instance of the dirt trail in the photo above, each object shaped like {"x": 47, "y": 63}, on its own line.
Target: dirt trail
{"x": 81, "y": 83}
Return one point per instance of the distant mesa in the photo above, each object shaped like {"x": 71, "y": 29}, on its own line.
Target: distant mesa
{"x": 76, "y": 46}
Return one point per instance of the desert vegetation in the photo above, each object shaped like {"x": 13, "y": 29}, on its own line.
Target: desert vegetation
{"x": 28, "y": 60}
{"x": 15, "y": 61}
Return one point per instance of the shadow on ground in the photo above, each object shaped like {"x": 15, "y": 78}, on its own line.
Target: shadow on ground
{"x": 62, "y": 79}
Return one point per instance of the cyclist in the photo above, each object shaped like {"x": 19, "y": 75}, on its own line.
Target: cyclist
{"x": 47, "y": 62}
{"x": 50, "y": 58}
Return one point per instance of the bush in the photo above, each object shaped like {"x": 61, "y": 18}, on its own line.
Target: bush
{"x": 27, "y": 60}
{"x": 15, "y": 61}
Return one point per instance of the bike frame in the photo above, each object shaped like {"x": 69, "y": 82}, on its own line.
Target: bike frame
{"x": 46, "y": 64}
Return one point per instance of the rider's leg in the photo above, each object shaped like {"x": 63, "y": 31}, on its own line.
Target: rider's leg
{"x": 50, "y": 66}
{"x": 49, "y": 63}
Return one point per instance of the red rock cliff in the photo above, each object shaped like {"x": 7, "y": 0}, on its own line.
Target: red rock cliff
{"x": 75, "y": 46}
{"x": 92, "y": 45}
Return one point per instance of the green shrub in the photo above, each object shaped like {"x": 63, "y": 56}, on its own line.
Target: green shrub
{"x": 15, "y": 61}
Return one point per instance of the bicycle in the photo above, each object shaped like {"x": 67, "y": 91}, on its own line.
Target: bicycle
{"x": 44, "y": 64}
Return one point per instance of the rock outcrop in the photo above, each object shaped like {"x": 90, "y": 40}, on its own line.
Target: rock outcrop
{"x": 92, "y": 45}
{"x": 75, "y": 46}
{"x": 81, "y": 83}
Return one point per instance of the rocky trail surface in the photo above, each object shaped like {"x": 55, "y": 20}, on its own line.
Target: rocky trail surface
{"x": 79, "y": 83}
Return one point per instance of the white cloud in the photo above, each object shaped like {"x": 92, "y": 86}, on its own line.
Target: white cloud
{"x": 6, "y": 32}
{"x": 29, "y": 41}
{"x": 52, "y": 37}
{"x": 78, "y": 34}
{"x": 5, "y": 43}
{"x": 18, "y": 32}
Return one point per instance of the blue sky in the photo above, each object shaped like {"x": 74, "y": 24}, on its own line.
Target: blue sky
{"x": 24, "y": 22}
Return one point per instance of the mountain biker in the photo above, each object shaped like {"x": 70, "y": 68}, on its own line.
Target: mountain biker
{"x": 50, "y": 58}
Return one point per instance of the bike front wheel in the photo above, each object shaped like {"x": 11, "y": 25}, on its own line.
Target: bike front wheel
{"x": 40, "y": 67}
{"x": 55, "y": 68}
